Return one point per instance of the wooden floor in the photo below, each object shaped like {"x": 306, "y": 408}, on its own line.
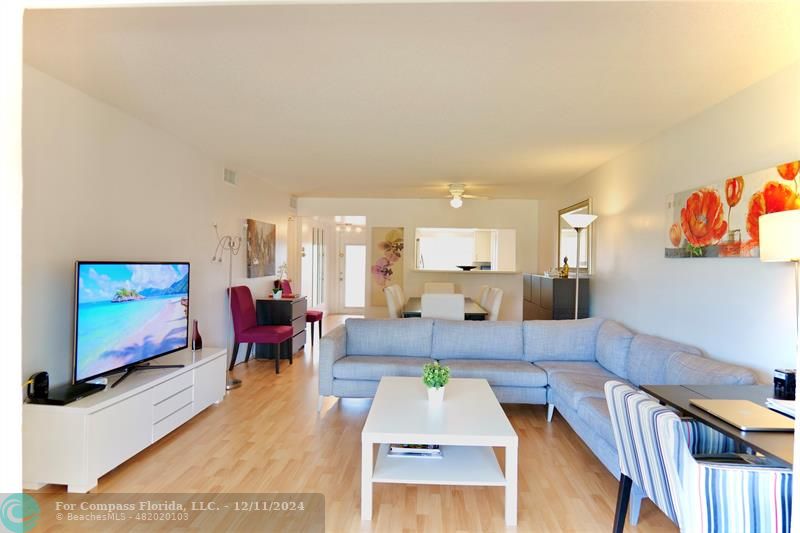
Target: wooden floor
{"x": 267, "y": 437}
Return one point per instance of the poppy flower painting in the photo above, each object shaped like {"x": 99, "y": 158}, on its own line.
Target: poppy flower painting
{"x": 721, "y": 220}
{"x": 788, "y": 171}
{"x": 702, "y": 219}
{"x": 774, "y": 197}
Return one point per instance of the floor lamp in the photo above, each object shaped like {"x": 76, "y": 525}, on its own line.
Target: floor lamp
{"x": 779, "y": 235}
{"x": 231, "y": 245}
{"x": 579, "y": 222}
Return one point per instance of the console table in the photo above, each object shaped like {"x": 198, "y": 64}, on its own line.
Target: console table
{"x": 282, "y": 312}
{"x": 546, "y": 298}
{"x": 776, "y": 444}
{"x": 75, "y": 444}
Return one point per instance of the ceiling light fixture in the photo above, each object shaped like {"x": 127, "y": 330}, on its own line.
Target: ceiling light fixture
{"x": 456, "y": 191}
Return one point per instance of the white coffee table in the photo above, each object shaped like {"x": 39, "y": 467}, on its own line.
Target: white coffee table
{"x": 466, "y": 425}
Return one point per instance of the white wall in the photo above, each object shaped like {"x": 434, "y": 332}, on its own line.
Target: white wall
{"x": 101, "y": 185}
{"x": 739, "y": 310}
{"x": 520, "y": 215}
{"x": 11, "y": 222}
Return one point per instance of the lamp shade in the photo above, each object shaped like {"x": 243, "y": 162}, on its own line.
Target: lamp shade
{"x": 577, "y": 220}
{"x": 779, "y": 236}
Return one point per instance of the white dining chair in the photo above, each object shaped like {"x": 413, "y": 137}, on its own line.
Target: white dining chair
{"x": 435, "y": 287}
{"x": 483, "y": 296}
{"x": 493, "y": 302}
{"x": 395, "y": 309}
{"x": 446, "y": 306}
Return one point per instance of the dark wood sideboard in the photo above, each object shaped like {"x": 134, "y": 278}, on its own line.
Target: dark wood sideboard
{"x": 553, "y": 298}
{"x": 282, "y": 312}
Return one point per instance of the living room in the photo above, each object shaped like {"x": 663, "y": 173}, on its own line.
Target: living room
{"x": 155, "y": 134}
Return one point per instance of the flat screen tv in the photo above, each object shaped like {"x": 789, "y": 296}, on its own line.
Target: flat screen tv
{"x": 128, "y": 313}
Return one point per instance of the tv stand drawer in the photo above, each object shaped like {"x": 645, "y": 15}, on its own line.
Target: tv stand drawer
{"x": 168, "y": 406}
{"x": 172, "y": 422}
{"x": 170, "y": 388}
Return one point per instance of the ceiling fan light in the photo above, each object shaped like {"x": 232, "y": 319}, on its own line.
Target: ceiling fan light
{"x": 456, "y": 202}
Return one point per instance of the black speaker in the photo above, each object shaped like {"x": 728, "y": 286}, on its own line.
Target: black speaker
{"x": 784, "y": 380}
{"x": 39, "y": 386}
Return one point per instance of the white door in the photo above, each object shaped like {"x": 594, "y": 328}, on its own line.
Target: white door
{"x": 352, "y": 275}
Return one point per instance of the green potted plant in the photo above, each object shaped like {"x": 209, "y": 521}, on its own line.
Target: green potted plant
{"x": 435, "y": 377}
{"x": 277, "y": 293}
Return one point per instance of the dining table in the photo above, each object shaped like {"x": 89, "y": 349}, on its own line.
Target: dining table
{"x": 472, "y": 311}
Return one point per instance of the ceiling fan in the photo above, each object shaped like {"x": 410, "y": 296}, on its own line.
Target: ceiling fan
{"x": 457, "y": 195}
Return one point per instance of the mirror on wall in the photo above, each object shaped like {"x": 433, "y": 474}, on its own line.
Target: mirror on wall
{"x": 568, "y": 238}
{"x": 479, "y": 248}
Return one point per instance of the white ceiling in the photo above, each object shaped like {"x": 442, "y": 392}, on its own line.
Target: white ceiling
{"x": 398, "y": 100}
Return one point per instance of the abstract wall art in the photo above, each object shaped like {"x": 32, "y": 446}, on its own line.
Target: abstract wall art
{"x": 260, "y": 249}
{"x": 721, "y": 219}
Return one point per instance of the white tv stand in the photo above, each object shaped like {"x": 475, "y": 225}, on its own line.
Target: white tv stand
{"x": 75, "y": 444}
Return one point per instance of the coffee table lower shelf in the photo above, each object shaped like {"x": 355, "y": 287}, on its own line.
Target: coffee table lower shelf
{"x": 459, "y": 465}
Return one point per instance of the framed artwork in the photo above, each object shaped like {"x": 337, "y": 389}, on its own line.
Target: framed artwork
{"x": 260, "y": 249}
{"x": 386, "y": 262}
{"x": 721, "y": 219}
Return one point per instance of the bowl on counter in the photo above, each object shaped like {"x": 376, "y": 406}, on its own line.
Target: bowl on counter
{"x": 466, "y": 268}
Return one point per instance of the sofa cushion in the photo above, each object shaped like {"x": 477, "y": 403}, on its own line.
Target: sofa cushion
{"x": 374, "y": 367}
{"x": 561, "y": 340}
{"x": 396, "y": 337}
{"x": 498, "y": 373}
{"x": 573, "y": 387}
{"x": 476, "y": 340}
{"x": 594, "y": 412}
{"x": 582, "y": 367}
{"x": 613, "y": 345}
{"x": 648, "y": 358}
{"x": 687, "y": 369}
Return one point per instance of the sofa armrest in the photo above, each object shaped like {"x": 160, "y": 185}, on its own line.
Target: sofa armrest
{"x": 332, "y": 347}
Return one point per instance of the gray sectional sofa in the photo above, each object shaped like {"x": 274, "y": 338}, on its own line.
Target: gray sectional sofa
{"x": 561, "y": 363}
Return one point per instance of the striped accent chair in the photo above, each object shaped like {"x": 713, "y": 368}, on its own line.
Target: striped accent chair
{"x": 656, "y": 449}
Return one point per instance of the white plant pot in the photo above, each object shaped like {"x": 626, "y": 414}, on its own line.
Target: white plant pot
{"x": 435, "y": 396}
{"x": 277, "y": 295}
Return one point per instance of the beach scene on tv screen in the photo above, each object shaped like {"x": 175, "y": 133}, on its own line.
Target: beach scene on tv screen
{"x": 129, "y": 312}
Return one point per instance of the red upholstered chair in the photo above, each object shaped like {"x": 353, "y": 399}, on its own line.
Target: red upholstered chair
{"x": 246, "y": 329}
{"x": 312, "y": 315}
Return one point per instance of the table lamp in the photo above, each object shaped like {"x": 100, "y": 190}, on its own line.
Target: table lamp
{"x": 779, "y": 235}
{"x": 579, "y": 222}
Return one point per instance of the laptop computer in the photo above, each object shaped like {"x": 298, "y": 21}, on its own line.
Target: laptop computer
{"x": 745, "y": 415}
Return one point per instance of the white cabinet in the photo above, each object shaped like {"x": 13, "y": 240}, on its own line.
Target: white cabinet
{"x": 205, "y": 396}
{"x": 77, "y": 443}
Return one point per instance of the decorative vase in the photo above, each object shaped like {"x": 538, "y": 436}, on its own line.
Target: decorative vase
{"x": 435, "y": 396}
{"x": 197, "y": 340}
{"x": 277, "y": 294}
